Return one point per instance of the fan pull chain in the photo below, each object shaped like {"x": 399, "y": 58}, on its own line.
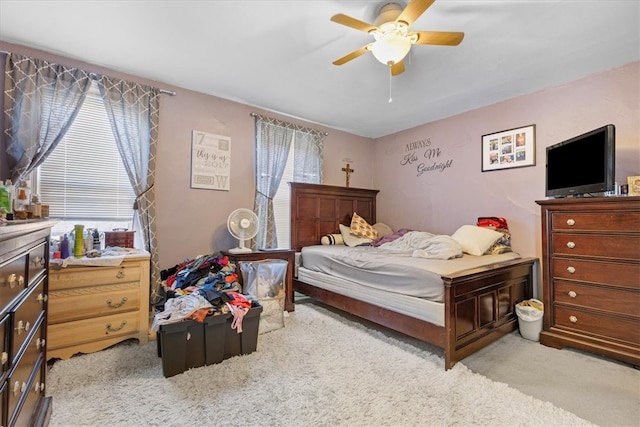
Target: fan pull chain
{"x": 390, "y": 81}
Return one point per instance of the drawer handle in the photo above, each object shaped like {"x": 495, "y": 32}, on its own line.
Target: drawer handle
{"x": 572, "y": 294}
{"x": 120, "y": 274}
{"x": 573, "y": 319}
{"x": 23, "y": 327}
{"x": 42, "y": 298}
{"x": 4, "y": 357}
{"x": 15, "y": 280}
{"x": 16, "y": 388}
{"x": 112, "y": 329}
{"x": 38, "y": 388}
{"x": 571, "y": 221}
{"x": 571, "y": 245}
{"x": 118, "y": 305}
{"x": 571, "y": 269}
{"x": 40, "y": 342}
{"x": 38, "y": 261}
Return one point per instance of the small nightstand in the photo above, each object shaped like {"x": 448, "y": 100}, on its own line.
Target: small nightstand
{"x": 285, "y": 254}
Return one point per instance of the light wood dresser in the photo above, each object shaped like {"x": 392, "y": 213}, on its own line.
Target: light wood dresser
{"x": 591, "y": 275}
{"x": 24, "y": 258}
{"x": 92, "y": 308}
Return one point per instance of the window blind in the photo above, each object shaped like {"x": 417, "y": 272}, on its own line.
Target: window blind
{"x": 84, "y": 177}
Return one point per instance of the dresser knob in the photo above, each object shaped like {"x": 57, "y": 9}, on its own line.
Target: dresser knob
{"x": 572, "y": 294}
{"x": 573, "y": 319}
{"x": 571, "y": 269}
{"x": 571, "y": 245}
{"x": 571, "y": 221}
{"x": 4, "y": 357}
{"x": 40, "y": 342}
{"x": 42, "y": 298}
{"x": 38, "y": 387}
{"x": 16, "y": 388}
{"x": 20, "y": 327}
{"x": 38, "y": 261}
{"x": 15, "y": 280}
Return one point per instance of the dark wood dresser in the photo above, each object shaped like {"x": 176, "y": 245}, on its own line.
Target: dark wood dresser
{"x": 591, "y": 275}
{"x": 24, "y": 265}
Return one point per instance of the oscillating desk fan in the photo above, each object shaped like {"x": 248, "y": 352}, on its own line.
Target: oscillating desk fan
{"x": 243, "y": 225}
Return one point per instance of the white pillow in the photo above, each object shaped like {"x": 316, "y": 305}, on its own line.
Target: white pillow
{"x": 382, "y": 229}
{"x": 476, "y": 240}
{"x": 351, "y": 239}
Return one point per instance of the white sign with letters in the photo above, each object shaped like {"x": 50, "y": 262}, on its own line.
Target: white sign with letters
{"x": 210, "y": 161}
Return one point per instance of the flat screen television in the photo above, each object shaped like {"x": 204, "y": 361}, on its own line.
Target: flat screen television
{"x": 583, "y": 164}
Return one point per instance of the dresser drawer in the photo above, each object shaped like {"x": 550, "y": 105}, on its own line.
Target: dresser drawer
{"x": 4, "y": 342}
{"x": 25, "y": 316}
{"x": 606, "y": 299}
{"x": 88, "y": 330}
{"x": 596, "y": 221}
{"x": 12, "y": 279}
{"x": 81, "y": 277}
{"x": 606, "y": 273}
{"x": 75, "y": 304}
{"x": 26, "y": 367}
{"x": 598, "y": 324}
{"x": 624, "y": 247}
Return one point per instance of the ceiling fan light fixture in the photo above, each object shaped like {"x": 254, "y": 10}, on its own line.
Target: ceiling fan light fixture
{"x": 391, "y": 48}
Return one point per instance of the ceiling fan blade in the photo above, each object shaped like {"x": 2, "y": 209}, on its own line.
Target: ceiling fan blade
{"x": 352, "y": 55}
{"x": 397, "y": 68}
{"x": 414, "y": 9}
{"x": 353, "y": 23}
{"x": 439, "y": 37}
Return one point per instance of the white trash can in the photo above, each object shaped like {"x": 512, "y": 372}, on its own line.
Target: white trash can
{"x": 530, "y": 313}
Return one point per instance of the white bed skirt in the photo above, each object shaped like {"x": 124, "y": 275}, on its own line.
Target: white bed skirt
{"x": 420, "y": 308}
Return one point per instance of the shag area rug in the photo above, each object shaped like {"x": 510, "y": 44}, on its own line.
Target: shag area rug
{"x": 321, "y": 369}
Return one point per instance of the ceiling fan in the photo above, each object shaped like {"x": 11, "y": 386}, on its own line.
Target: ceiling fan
{"x": 393, "y": 39}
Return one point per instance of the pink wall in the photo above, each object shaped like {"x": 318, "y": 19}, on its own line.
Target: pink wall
{"x": 441, "y": 201}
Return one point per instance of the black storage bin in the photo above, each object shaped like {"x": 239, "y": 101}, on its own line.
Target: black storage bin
{"x": 181, "y": 347}
{"x": 190, "y": 344}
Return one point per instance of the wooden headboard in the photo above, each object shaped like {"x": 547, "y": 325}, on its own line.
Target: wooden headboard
{"x": 318, "y": 209}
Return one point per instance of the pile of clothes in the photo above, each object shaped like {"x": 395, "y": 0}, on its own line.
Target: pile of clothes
{"x": 205, "y": 286}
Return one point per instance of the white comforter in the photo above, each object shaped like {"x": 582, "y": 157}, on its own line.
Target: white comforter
{"x": 425, "y": 245}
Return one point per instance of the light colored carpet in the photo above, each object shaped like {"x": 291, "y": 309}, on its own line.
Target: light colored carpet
{"x": 320, "y": 370}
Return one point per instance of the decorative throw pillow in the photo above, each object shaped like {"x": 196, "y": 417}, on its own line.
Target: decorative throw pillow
{"x": 332, "y": 239}
{"x": 361, "y": 228}
{"x": 475, "y": 240}
{"x": 382, "y": 229}
{"x": 351, "y": 239}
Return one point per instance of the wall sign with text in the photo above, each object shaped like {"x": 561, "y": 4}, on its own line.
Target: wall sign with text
{"x": 210, "y": 161}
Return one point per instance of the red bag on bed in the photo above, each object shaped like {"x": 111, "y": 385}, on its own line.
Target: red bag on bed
{"x": 492, "y": 222}
{"x": 497, "y": 223}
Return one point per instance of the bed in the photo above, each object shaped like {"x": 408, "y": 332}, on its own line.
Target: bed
{"x": 476, "y": 303}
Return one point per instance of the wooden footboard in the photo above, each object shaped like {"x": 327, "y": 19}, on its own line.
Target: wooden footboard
{"x": 480, "y": 305}
{"x": 479, "y": 308}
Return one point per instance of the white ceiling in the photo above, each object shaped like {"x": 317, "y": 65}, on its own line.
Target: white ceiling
{"x": 277, "y": 54}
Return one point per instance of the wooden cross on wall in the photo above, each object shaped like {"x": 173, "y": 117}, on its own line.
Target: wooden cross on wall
{"x": 348, "y": 171}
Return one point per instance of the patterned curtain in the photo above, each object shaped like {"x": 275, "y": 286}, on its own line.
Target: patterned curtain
{"x": 308, "y": 153}
{"x": 133, "y": 112}
{"x": 31, "y": 87}
{"x": 272, "y": 149}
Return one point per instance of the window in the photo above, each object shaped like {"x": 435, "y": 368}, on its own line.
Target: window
{"x": 83, "y": 180}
